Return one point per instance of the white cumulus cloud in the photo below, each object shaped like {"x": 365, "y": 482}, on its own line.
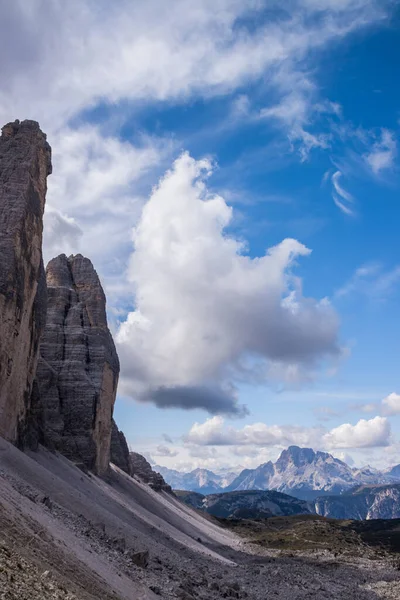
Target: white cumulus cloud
{"x": 206, "y": 314}
{"x": 214, "y": 432}
{"x": 364, "y": 434}
{"x": 391, "y": 404}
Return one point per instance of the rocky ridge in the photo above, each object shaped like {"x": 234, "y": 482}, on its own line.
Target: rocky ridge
{"x": 25, "y": 163}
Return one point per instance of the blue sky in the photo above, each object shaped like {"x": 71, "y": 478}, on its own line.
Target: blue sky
{"x": 186, "y": 143}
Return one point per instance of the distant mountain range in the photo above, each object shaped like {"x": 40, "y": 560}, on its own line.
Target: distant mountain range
{"x": 251, "y": 504}
{"x": 363, "y": 503}
{"x": 199, "y": 480}
{"x": 300, "y": 472}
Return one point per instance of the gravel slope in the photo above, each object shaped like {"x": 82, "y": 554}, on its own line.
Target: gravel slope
{"x": 92, "y": 537}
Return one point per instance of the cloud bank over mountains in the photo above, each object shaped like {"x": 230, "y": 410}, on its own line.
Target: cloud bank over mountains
{"x": 373, "y": 433}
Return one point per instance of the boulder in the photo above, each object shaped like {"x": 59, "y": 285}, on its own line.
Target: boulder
{"x": 140, "y": 559}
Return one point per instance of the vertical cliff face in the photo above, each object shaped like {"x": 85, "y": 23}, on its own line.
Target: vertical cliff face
{"x": 77, "y": 375}
{"x": 25, "y": 162}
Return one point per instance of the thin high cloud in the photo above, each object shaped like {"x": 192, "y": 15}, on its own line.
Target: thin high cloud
{"x": 206, "y": 314}
{"x": 165, "y": 451}
{"x": 341, "y": 197}
{"x": 297, "y": 113}
{"x": 371, "y": 280}
{"x": 367, "y": 154}
{"x": 389, "y": 406}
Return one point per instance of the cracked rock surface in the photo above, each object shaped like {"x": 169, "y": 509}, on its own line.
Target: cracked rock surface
{"x": 25, "y": 162}
{"x": 77, "y": 374}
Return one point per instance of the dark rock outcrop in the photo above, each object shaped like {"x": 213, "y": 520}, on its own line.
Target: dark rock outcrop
{"x": 25, "y": 163}
{"x": 77, "y": 374}
{"x": 141, "y": 468}
{"x": 119, "y": 449}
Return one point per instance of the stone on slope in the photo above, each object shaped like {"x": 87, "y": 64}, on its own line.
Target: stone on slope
{"x": 77, "y": 375}
{"x": 119, "y": 449}
{"x": 25, "y": 163}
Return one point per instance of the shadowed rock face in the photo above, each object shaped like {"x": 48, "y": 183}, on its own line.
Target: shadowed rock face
{"x": 77, "y": 375}
{"x": 119, "y": 449}
{"x": 25, "y": 162}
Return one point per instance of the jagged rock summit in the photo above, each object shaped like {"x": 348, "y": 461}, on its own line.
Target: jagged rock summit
{"x": 77, "y": 375}
{"x": 25, "y": 163}
{"x": 301, "y": 472}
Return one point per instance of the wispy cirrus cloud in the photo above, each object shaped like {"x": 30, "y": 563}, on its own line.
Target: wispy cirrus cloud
{"x": 325, "y": 413}
{"x": 341, "y": 197}
{"x": 164, "y": 451}
{"x": 296, "y": 113}
{"x": 371, "y": 280}
{"x": 389, "y": 406}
